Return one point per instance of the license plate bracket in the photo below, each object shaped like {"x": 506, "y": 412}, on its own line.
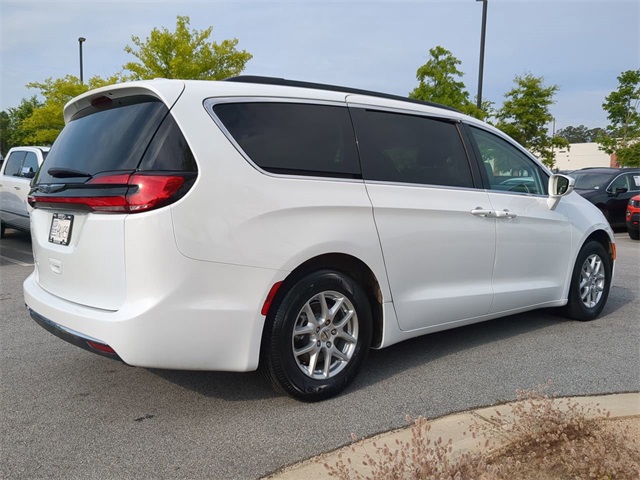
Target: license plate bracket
{"x": 61, "y": 227}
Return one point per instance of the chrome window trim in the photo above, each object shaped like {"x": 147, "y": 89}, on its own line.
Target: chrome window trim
{"x": 416, "y": 113}
{"x": 422, "y": 185}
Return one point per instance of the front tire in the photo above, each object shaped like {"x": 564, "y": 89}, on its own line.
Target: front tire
{"x": 634, "y": 234}
{"x": 590, "y": 283}
{"x": 317, "y": 337}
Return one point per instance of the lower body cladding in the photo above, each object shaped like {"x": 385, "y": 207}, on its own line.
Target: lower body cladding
{"x": 207, "y": 320}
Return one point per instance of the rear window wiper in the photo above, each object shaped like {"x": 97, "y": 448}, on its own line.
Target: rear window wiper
{"x": 66, "y": 173}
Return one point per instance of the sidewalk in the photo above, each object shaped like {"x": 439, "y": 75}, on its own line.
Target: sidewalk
{"x": 453, "y": 426}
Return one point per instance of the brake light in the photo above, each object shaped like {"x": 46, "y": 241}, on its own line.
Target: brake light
{"x": 152, "y": 191}
{"x": 138, "y": 192}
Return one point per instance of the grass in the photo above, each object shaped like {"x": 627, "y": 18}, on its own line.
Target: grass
{"x": 549, "y": 438}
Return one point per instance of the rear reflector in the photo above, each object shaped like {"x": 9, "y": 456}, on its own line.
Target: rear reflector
{"x": 269, "y": 300}
{"x": 100, "y": 347}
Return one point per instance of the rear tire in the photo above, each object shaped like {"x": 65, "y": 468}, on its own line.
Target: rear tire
{"x": 590, "y": 283}
{"x": 317, "y": 337}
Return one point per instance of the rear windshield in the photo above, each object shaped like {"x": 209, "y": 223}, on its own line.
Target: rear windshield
{"x": 117, "y": 135}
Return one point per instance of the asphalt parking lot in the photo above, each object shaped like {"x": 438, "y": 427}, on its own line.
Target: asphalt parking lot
{"x": 66, "y": 413}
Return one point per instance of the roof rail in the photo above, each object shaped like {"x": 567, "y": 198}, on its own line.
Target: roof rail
{"x": 321, "y": 86}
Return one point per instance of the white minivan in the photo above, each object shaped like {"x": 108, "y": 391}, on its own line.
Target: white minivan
{"x": 15, "y": 176}
{"x": 291, "y": 227}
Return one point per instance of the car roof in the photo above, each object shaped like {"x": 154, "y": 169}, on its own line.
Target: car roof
{"x": 262, "y": 80}
{"x": 168, "y": 90}
{"x": 31, "y": 147}
{"x": 604, "y": 170}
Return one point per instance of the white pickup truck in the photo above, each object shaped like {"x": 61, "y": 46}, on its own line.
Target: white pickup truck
{"x": 19, "y": 167}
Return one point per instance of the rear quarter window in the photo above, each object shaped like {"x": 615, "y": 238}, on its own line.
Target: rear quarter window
{"x": 293, "y": 138}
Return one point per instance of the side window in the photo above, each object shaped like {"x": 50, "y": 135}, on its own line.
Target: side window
{"x": 508, "y": 169}
{"x": 413, "y": 149}
{"x": 630, "y": 181}
{"x": 30, "y": 163}
{"x": 621, "y": 181}
{"x": 14, "y": 162}
{"x": 294, "y": 138}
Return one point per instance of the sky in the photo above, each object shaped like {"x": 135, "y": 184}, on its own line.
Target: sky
{"x": 580, "y": 46}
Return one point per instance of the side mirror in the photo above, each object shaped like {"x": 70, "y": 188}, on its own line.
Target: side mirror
{"x": 559, "y": 186}
{"x": 620, "y": 190}
{"x": 27, "y": 172}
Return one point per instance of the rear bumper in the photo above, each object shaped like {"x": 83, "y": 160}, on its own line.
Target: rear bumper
{"x": 71, "y": 336}
{"x": 207, "y": 320}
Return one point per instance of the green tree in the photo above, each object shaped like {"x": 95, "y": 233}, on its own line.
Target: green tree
{"x": 579, "y": 134}
{"x": 622, "y": 135}
{"x": 5, "y": 125}
{"x": 45, "y": 122}
{"x": 525, "y": 115}
{"x": 185, "y": 54}
{"x": 12, "y": 130}
{"x": 438, "y": 82}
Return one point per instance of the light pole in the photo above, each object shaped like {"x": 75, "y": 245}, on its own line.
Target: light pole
{"x": 80, "y": 40}
{"x": 484, "y": 31}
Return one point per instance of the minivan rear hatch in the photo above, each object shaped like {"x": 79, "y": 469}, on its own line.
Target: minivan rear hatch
{"x": 121, "y": 153}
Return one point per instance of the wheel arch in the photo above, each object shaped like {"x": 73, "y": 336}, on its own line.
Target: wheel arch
{"x": 602, "y": 238}
{"x": 348, "y": 265}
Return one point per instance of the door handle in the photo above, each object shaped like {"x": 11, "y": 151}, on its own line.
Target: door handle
{"x": 481, "y": 212}
{"x": 505, "y": 214}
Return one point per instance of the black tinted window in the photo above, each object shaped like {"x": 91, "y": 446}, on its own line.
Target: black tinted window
{"x": 412, "y": 149}
{"x": 294, "y": 138}
{"x": 14, "y": 162}
{"x": 169, "y": 150}
{"x": 110, "y": 136}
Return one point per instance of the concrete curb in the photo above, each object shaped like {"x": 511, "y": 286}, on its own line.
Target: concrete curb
{"x": 452, "y": 426}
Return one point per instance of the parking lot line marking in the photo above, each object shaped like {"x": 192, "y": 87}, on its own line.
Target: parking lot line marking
{"x": 17, "y": 262}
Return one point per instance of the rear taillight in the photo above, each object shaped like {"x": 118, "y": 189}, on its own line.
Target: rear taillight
{"x": 119, "y": 193}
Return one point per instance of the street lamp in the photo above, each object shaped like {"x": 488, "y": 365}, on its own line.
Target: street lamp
{"x": 80, "y": 40}
{"x": 484, "y": 31}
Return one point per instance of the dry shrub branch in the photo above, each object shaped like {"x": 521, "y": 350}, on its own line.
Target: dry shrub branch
{"x": 550, "y": 438}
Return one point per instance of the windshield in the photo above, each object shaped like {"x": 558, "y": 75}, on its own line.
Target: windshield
{"x": 590, "y": 181}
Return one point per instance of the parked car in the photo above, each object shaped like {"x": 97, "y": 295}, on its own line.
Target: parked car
{"x": 15, "y": 176}
{"x": 609, "y": 189}
{"x": 290, "y": 226}
{"x": 633, "y": 217}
